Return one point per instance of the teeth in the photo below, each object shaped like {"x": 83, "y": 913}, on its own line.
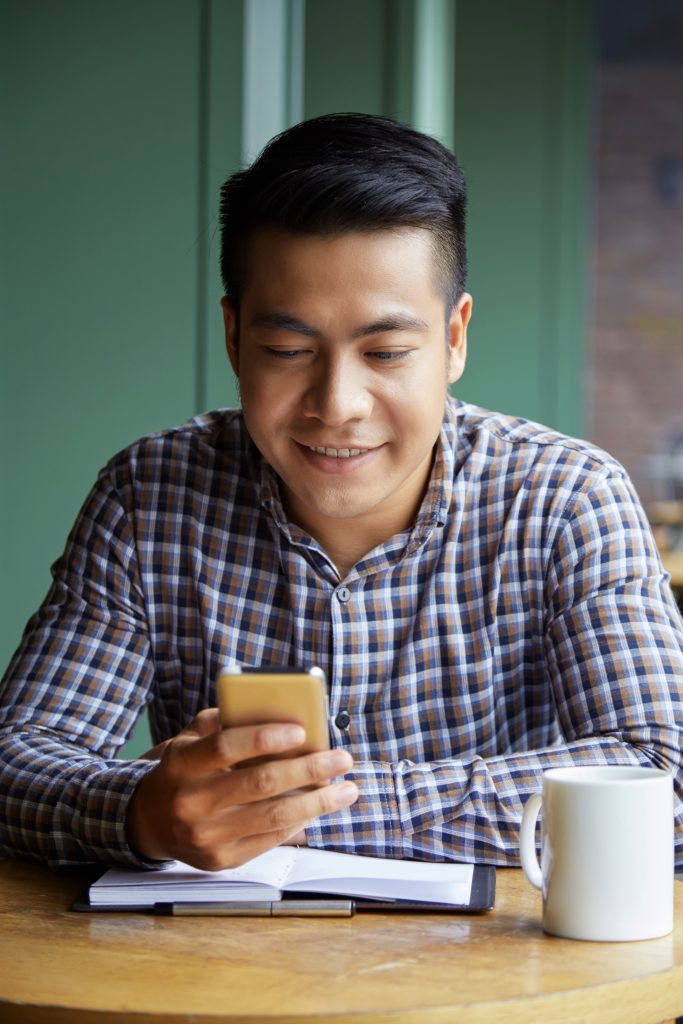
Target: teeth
{"x": 338, "y": 453}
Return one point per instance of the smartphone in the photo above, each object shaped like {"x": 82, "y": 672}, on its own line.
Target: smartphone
{"x": 257, "y": 695}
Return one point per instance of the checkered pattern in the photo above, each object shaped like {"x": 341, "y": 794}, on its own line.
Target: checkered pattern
{"x": 524, "y": 622}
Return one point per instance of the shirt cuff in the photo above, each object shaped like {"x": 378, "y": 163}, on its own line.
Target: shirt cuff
{"x": 99, "y": 824}
{"x": 379, "y": 824}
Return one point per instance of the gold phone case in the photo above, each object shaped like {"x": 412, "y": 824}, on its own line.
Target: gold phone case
{"x": 256, "y": 697}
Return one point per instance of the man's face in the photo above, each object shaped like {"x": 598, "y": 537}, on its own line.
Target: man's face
{"x": 343, "y": 358}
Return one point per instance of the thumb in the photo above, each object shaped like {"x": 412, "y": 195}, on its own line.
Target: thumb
{"x": 204, "y": 723}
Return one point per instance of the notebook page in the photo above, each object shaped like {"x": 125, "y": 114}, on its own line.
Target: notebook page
{"x": 327, "y": 871}
{"x": 177, "y": 881}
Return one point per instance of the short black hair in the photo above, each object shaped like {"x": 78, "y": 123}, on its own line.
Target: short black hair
{"x": 347, "y": 172}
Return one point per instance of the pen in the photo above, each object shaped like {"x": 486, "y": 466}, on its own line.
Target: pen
{"x": 246, "y": 908}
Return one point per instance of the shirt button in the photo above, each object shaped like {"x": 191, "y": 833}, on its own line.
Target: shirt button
{"x": 343, "y": 720}
{"x": 343, "y": 595}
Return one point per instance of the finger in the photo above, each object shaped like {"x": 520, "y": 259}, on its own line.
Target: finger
{"x": 246, "y": 849}
{"x": 286, "y": 814}
{"x": 209, "y": 793}
{"x": 155, "y": 753}
{"x": 273, "y": 778}
{"x": 232, "y": 854}
{"x": 228, "y": 747}
{"x": 297, "y": 838}
{"x": 242, "y": 833}
{"x": 204, "y": 723}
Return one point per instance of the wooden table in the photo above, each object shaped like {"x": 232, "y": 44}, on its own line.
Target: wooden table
{"x": 58, "y": 966}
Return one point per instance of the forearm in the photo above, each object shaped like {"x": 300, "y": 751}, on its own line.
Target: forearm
{"x": 466, "y": 810}
{"x": 63, "y": 805}
{"x": 70, "y": 698}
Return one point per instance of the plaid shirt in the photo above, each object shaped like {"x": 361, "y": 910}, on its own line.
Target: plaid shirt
{"x": 524, "y": 622}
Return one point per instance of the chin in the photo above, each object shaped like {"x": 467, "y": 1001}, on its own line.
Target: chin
{"x": 336, "y": 504}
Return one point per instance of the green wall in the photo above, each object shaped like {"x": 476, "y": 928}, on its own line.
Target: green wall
{"x": 523, "y": 86}
{"x": 521, "y": 129}
{"x": 121, "y": 121}
{"x": 110, "y": 174}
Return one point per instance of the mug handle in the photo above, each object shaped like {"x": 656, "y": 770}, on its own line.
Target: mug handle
{"x": 527, "y": 841}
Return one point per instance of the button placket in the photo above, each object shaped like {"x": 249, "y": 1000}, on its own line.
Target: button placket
{"x": 341, "y": 718}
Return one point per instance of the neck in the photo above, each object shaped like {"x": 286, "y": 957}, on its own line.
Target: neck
{"x": 347, "y": 551}
{"x": 347, "y": 540}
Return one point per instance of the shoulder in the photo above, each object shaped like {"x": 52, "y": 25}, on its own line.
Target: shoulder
{"x": 219, "y": 432}
{"x": 206, "y": 453}
{"x": 515, "y": 445}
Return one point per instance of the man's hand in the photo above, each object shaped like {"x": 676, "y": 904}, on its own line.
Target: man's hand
{"x": 197, "y": 806}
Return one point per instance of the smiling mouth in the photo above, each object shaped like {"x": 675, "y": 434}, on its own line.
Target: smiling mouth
{"x": 337, "y": 453}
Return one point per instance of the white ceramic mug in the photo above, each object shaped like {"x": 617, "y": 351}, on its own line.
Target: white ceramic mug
{"x": 607, "y": 852}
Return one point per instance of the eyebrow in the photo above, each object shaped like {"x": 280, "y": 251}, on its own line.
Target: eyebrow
{"x": 283, "y": 322}
{"x": 385, "y": 325}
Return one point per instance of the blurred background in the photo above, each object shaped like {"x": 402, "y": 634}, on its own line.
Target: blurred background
{"x": 119, "y": 123}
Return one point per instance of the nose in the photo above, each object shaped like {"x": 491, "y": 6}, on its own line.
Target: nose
{"x": 337, "y": 392}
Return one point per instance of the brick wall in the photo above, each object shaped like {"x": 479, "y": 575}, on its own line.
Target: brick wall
{"x": 635, "y": 366}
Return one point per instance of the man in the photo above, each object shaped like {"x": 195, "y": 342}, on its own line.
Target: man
{"x": 483, "y": 594}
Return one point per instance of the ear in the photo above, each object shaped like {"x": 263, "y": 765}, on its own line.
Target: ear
{"x": 457, "y": 337}
{"x": 230, "y": 324}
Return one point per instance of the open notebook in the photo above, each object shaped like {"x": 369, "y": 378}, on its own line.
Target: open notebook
{"x": 399, "y": 884}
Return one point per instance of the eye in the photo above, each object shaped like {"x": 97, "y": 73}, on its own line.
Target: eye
{"x": 285, "y": 353}
{"x": 390, "y": 355}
